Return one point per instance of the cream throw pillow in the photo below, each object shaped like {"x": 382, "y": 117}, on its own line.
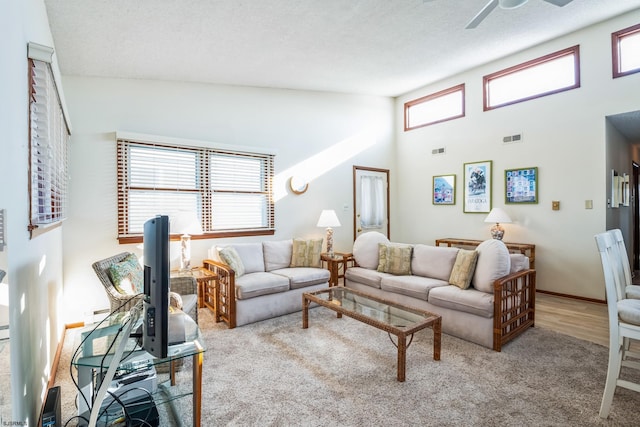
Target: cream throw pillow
{"x": 306, "y": 253}
{"x": 230, "y": 257}
{"x": 394, "y": 259}
{"x": 463, "y": 268}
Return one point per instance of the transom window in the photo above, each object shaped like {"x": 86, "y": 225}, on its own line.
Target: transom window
{"x": 437, "y": 107}
{"x": 549, "y": 74}
{"x": 230, "y": 191}
{"x": 625, "y": 46}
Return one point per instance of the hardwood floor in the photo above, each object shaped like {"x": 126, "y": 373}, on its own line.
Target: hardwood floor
{"x": 582, "y": 319}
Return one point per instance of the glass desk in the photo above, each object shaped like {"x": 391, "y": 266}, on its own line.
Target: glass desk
{"x": 95, "y": 351}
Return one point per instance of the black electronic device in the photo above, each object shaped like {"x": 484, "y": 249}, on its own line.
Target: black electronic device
{"x": 155, "y": 316}
{"x": 51, "y": 409}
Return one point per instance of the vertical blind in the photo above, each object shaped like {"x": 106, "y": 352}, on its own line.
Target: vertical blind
{"x": 230, "y": 191}
{"x": 48, "y": 149}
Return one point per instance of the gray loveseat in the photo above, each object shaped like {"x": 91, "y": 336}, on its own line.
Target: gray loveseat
{"x": 492, "y": 303}
{"x": 271, "y": 280}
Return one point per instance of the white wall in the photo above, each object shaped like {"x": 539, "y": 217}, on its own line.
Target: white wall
{"x": 34, "y": 266}
{"x": 564, "y": 136}
{"x": 321, "y": 134}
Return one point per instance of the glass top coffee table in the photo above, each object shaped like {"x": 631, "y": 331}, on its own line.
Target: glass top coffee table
{"x": 388, "y": 316}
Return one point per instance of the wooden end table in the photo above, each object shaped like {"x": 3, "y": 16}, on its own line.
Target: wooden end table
{"x": 335, "y": 264}
{"x": 206, "y": 280}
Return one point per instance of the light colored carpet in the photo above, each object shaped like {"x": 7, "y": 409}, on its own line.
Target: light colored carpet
{"x": 340, "y": 372}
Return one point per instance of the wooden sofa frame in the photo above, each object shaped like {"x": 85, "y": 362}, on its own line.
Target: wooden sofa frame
{"x": 513, "y": 305}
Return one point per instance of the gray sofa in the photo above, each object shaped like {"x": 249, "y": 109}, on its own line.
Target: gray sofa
{"x": 493, "y": 306}
{"x": 271, "y": 282}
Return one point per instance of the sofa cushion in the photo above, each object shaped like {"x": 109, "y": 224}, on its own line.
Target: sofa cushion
{"x": 493, "y": 262}
{"x": 432, "y": 261}
{"x": 127, "y": 275}
{"x": 412, "y": 286}
{"x": 365, "y": 276}
{"x": 251, "y": 255}
{"x": 519, "y": 262}
{"x": 394, "y": 259}
{"x": 306, "y": 253}
{"x": 277, "y": 254}
{"x": 467, "y": 300}
{"x": 230, "y": 256}
{"x": 260, "y": 283}
{"x": 365, "y": 249}
{"x": 300, "y": 277}
{"x": 464, "y": 268}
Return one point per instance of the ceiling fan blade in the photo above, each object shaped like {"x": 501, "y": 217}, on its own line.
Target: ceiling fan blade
{"x": 559, "y": 2}
{"x": 482, "y": 14}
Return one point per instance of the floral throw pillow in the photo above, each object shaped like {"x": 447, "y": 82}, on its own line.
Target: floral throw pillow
{"x": 394, "y": 259}
{"x": 127, "y": 276}
{"x": 463, "y": 269}
{"x": 306, "y": 253}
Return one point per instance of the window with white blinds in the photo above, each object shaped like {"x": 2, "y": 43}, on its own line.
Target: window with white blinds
{"x": 48, "y": 149}
{"x": 230, "y": 191}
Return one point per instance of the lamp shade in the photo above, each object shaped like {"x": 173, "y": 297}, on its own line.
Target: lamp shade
{"x": 497, "y": 215}
{"x": 328, "y": 218}
{"x": 185, "y": 222}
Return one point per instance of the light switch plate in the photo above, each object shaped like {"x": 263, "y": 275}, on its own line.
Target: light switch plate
{"x": 555, "y": 205}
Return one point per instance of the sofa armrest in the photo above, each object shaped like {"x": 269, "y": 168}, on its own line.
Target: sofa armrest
{"x": 513, "y": 306}
{"x": 225, "y": 294}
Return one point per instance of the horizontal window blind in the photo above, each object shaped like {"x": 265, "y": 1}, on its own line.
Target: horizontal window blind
{"x": 230, "y": 191}
{"x": 48, "y": 150}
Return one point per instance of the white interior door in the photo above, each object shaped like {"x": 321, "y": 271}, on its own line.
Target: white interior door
{"x": 370, "y": 200}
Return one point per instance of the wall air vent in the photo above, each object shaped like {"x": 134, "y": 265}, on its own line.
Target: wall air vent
{"x": 512, "y": 138}
{"x": 437, "y": 151}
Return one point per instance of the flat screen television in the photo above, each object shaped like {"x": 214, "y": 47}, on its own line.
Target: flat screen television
{"x": 155, "y": 322}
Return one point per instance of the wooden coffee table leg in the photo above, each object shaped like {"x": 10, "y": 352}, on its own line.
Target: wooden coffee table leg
{"x": 437, "y": 338}
{"x": 305, "y": 312}
{"x": 402, "y": 357}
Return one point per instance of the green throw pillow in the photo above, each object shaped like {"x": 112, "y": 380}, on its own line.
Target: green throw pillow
{"x": 230, "y": 256}
{"x": 463, "y": 269}
{"x": 127, "y": 276}
{"x": 306, "y": 253}
{"x": 394, "y": 259}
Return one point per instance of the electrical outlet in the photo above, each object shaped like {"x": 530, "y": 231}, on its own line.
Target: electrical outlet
{"x": 555, "y": 205}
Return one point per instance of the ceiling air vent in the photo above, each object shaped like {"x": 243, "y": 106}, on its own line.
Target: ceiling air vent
{"x": 437, "y": 151}
{"x": 512, "y": 138}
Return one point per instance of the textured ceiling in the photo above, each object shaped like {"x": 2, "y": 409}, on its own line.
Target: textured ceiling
{"x": 378, "y": 47}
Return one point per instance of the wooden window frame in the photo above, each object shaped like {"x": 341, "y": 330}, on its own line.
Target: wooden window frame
{"x": 408, "y": 105}
{"x": 615, "y": 50}
{"x": 203, "y": 189}
{"x": 486, "y": 80}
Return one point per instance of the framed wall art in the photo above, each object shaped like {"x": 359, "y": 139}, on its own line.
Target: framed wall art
{"x": 521, "y": 185}
{"x": 444, "y": 190}
{"x": 477, "y": 187}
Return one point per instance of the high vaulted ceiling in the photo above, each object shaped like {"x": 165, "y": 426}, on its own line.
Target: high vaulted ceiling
{"x": 377, "y": 47}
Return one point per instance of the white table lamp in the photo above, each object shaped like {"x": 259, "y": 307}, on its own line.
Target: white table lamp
{"x": 498, "y": 216}
{"x": 329, "y": 219}
{"x": 185, "y": 223}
